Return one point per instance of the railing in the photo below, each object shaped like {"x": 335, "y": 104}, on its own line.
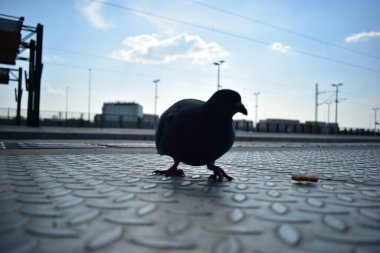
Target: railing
{"x": 359, "y": 131}
{"x": 76, "y": 119}
{"x": 59, "y": 116}
{"x": 80, "y": 119}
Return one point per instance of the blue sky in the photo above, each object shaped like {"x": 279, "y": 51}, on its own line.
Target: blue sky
{"x": 278, "y": 48}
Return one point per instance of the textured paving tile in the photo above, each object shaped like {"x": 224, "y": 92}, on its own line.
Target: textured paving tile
{"x": 112, "y": 203}
{"x": 58, "y": 145}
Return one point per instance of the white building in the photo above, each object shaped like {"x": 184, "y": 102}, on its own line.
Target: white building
{"x": 125, "y": 115}
{"x": 120, "y": 114}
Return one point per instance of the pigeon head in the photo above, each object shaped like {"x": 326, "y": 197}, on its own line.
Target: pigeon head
{"x": 227, "y": 102}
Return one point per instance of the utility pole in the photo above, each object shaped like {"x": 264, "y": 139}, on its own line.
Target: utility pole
{"x": 257, "y": 101}
{"x": 336, "y": 100}
{"x": 89, "y": 95}
{"x": 67, "y": 102}
{"x": 317, "y": 92}
{"x": 328, "y": 111}
{"x": 316, "y": 103}
{"x": 155, "y": 101}
{"x": 375, "y": 110}
{"x": 218, "y": 80}
{"x": 18, "y": 97}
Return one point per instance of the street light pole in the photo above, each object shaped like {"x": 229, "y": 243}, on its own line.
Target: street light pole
{"x": 218, "y": 66}
{"x": 328, "y": 111}
{"x": 336, "y": 100}
{"x": 155, "y": 100}
{"x": 257, "y": 101}
{"x": 67, "y": 101}
{"x": 375, "y": 110}
{"x": 316, "y": 104}
{"x": 317, "y": 93}
{"x": 89, "y": 94}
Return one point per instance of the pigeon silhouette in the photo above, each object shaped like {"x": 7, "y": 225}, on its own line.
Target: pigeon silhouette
{"x": 197, "y": 133}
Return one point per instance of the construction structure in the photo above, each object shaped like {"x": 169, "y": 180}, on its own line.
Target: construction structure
{"x": 15, "y": 39}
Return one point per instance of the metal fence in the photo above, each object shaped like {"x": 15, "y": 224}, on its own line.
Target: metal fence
{"x": 81, "y": 119}
{"x": 48, "y": 118}
{"x": 76, "y": 119}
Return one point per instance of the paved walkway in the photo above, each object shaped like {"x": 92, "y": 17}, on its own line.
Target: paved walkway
{"x": 110, "y": 202}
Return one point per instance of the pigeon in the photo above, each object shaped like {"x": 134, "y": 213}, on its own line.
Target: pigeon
{"x": 197, "y": 133}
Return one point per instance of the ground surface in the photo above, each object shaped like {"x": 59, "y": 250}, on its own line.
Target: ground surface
{"x": 72, "y": 196}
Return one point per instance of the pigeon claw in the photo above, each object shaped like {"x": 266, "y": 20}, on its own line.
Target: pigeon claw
{"x": 219, "y": 174}
{"x": 170, "y": 172}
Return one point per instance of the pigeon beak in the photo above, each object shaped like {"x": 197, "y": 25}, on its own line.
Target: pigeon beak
{"x": 241, "y": 108}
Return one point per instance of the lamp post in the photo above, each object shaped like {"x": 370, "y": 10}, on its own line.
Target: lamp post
{"x": 67, "y": 102}
{"x": 375, "y": 110}
{"x": 336, "y": 100}
{"x": 89, "y": 94}
{"x": 257, "y": 101}
{"x": 155, "y": 100}
{"x": 328, "y": 111}
{"x": 218, "y": 66}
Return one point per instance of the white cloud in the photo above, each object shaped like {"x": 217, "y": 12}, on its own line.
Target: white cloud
{"x": 279, "y": 47}
{"x": 149, "y": 49}
{"x": 363, "y": 36}
{"x": 92, "y": 11}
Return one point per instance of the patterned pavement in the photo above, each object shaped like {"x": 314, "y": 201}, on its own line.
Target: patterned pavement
{"x": 112, "y": 202}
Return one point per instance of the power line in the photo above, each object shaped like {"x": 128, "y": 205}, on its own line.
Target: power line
{"x": 276, "y": 27}
{"x": 121, "y": 72}
{"x": 186, "y": 81}
{"x": 75, "y": 52}
{"x": 242, "y": 37}
{"x": 170, "y": 79}
{"x": 81, "y": 53}
{"x": 327, "y": 99}
{"x": 336, "y": 100}
{"x": 155, "y": 66}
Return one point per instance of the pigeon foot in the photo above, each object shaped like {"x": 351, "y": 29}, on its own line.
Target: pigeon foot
{"x": 172, "y": 171}
{"x": 219, "y": 174}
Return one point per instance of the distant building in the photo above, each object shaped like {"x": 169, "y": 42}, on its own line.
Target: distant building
{"x": 279, "y": 126}
{"x": 294, "y": 126}
{"x": 149, "y": 121}
{"x": 125, "y": 115}
{"x": 120, "y": 114}
{"x": 244, "y": 125}
{"x": 130, "y": 115}
{"x": 321, "y": 127}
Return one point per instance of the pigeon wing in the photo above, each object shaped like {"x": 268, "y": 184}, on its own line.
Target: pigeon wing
{"x": 178, "y": 120}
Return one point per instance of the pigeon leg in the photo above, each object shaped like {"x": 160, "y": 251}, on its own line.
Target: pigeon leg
{"x": 172, "y": 171}
{"x": 219, "y": 173}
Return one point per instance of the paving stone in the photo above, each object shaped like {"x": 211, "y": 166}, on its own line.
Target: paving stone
{"x": 105, "y": 238}
{"x": 161, "y": 243}
{"x": 84, "y": 216}
{"x": 112, "y": 202}
{"x": 52, "y": 232}
{"x": 288, "y": 234}
{"x": 227, "y": 245}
